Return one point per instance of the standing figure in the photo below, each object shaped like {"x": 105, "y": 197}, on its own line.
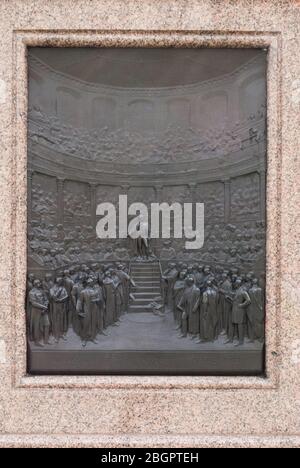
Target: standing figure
{"x": 48, "y": 283}
{"x": 199, "y": 275}
{"x": 75, "y": 293}
{"x": 189, "y": 306}
{"x": 68, "y": 284}
{"x": 101, "y": 308}
{"x": 256, "y": 311}
{"x": 164, "y": 284}
{"x": 171, "y": 278}
{"x": 207, "y": 275}
{"x": 141, "y": 242}
{"x": 109, "y": 297}
{"x": 119, "y": 296}
{"x": 29, "y": 286}
{"x": 179, "y": 288}
{"x": 225, "y": 290}
{"x": 209, "y": 313}
{"x": 88, "y": 312}
{"x": 58, "y": 305}
{"x": 125, "y": 282}
{"x": 39, "y": 319}
{"x": 240, "y": 302}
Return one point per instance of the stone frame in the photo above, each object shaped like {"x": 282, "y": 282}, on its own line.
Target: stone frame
{"x": 47, "y": 411}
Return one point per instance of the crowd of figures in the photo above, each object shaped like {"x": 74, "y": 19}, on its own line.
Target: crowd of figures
{"x": 172, "y": 144}
{"x": 208, "y": 303}
{"x": 53, "y": 246}
{"x": 86, "y": 299}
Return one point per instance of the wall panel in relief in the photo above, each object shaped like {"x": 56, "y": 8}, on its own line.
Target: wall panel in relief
{"x": 213, "y": 197}
{"x": 245, "y": 197}
{"x": 44, "y": 198}
{"x": 77, "y": 203}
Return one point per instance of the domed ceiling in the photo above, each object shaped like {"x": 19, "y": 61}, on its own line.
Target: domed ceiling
{"x": 156, "y": 68}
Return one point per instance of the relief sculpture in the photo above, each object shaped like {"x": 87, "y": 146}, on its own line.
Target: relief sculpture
{"x": 144, "y": 304}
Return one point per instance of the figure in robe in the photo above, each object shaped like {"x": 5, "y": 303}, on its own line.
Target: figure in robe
{"x": 48, "y": 283}
{"x": 178, "y": 291}
{"x": 125, "y": 281}
{"x": 225, "y": 291}
{"x": 109, "y": 297}
{"x": 29, "y": 286}
{"x": 189, "y": 306}
{"x": 255, "y": 310}
{"x": 58, "y": 306}
{"x": 119, "y": 296}
{"x": 88, "y": 312}
{"x": 39, "y": 319}
{"x": 68, "y": 284}
{"x": 141, "y": 242}
{"x": 101, "y": 308}
{"x": 75, "y": 293}
{"x": 164, "y": 284}
{"x": 199, "y": 275}
{"x": 171, "y": 278}
{"x": 209, "y": 313}
{"x": 240, "y": 302}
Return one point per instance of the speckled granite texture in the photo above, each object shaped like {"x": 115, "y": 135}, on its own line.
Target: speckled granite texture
{"x": 155, "y": 411}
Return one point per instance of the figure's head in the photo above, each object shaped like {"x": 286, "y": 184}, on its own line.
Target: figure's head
{"x": 248, "y": 277}
{"x": 37, "y": 283}
{"x": 67, "y": 273}
{"x": 234, "y": 278}
{"x": 209, "y": 283}
{"x": 182, "y": 275}
{"x": 59, "y": 281}
{"x": 238, "y": 282}
{"x": 90, "y": 281}
{"x": 189, "y": 280}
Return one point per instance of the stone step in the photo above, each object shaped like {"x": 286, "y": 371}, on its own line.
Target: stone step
{"x": 145, "y": 301}
{"x": 145, "y": 272}
{"x": 146, "y": 278}
{"x": 141, "y": 284}
{"x": 139, "y": 308}
{"x": 146, "y": 294}
{"x": 146, "y": 290}
{"x": 144, "y": 263}
{"x": 145, "y": 275}
{"x": 145, "y": 269}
